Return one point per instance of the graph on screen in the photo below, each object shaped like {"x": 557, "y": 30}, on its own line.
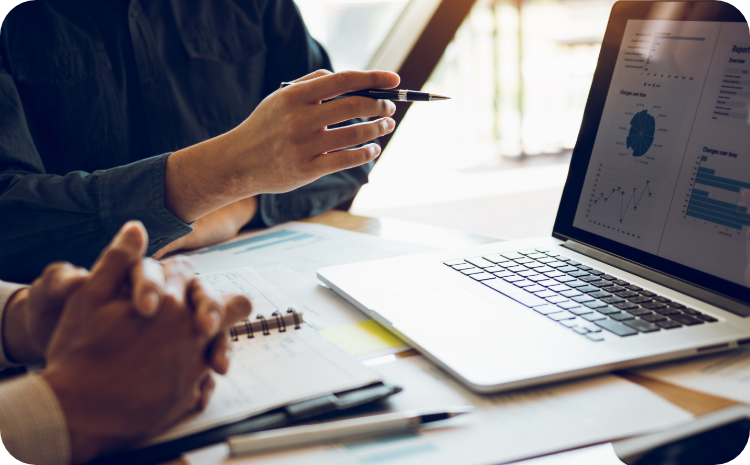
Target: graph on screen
{"x": 620, "y": 202}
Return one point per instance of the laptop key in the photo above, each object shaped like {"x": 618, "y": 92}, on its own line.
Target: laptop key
{"x": 627, "y": 294}
{"x": 602, "y": 283}
{"x": 537, "y": 278}
{"x": 576, "y": 284}
{"x": 557, "y": 299}
{"x": 515, "y": 293}
{"x": 621, "y": 316}
{"x": 537, "y": 255}
{"x": 524, "y": 283}
{"x": 482, "y": 276}
{"x": 496, "y": 258}
{"x": 596, "y": 337}
{"x": 559, "y": 288}
{"x": 565, "y": 279}
{"x": 608, "y": 310}
{"x": 596, "y": 272}
{"x": 648, "y": 293}
{"x": 578, "y": 273}
{"x": 517, "y": 269}
{"x": 595, "y": 304}
{"x": 613, "y": 300}
{"x": 523, "y": 260}
{"x": 528, "y": 273}
{"x": 534, "y": 288}
{"x": 653, "y": 305}
{"x": 593, "y": 316}
{"x": 639, "y": 311}
{"x": 686, "y": 320}
{"x": 454, "y": 262}
{"x": 600, "y": 294}
{"x": 642, "y": 326}
{"x": 620, "y": 282}
{"x": 668, "y": 324}
{"x": 625, "y": 305}
{"x": 548, "y": 283}
{"x": 617, "y": 328}
{"x": 654, "y": 317}
{"x": 582, "y": 298}
{"x": 579, "y": 329}
{"x": 667, "y": 311}
{"x": 573, "y": 263}
{"x": 608, "y": 277}
{"x": 675, "y": 305}
{"x": 480, "y": 262}
{"x": 571, "y": 293}
{"x": 544, "y": 294}
{"x": 689, "y": 311}
{"x": 584, "y": 267}
{"x": 553, "y": 274}
{"x": 544, "y": 269}
{"x": 568, "y": 269}
{"x": 511, "y": 255}
{"x": 528, "y": 251}
{"x": 591, "y": 327}
{"x": 661, "y": 299}
{"x": 504, "y": 274}
{"x": 494, "y": 269}
{"x": 547, "y": 309}
{"x": 547, "y": 260}
{"x": 472, "y": 270}
{"x": 571, "y": 322}
{"x": 707, "y": 318}
{"x": 579, "y": 310}
{"x": 564, "y": 315}
{"x": 589, "y": 278}
{"x": 640, "y": 299}
{"x": 567, "y": 304}
{"x": 462, "y": 266}
{"x": 535, "y": 265}
{"x": 632, "y": 287}
{"x": 556, "y": 264}
{"x": 513, "y": 278}
{"x": 614, "y": 289}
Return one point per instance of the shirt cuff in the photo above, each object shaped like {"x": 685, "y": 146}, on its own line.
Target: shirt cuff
{"x": 136, "y": 192}
{"x": 32, "y": 423}
{"x": 6, "y": 292}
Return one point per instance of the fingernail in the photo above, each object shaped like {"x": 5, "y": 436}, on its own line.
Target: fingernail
{"x": 390, "y": 124}
{"x": 391, "y": 107}
{"x": 227, "y": 358}
{"x": 150, "y": 302}
{"x": 212, "y": 321}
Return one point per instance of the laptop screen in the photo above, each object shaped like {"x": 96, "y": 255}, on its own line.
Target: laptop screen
{"x": 668, "y": 170}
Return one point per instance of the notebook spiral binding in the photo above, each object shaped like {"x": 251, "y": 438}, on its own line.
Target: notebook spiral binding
{"x": 292, "y": 318}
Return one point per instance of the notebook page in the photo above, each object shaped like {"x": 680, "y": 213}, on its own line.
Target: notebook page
{"x": 267, "y": 372}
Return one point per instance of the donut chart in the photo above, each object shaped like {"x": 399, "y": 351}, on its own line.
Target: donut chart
{"x": 641, "y": 135}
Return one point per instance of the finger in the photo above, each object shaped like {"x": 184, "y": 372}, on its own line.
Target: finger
{"x": 352, "y": 135}
{"x": 148, "y": 286}
{"x": 207, "y": 389}
{"x": 117, "y": 260}
{"x": 238, "y": 309}
{"x": 220, "y": 354}
{"x": 344, "y": 109}
{"x": 333, "y": 85}
{"x": 328, "y": 163}
{"x": 56, "y": 283}
{"x": 179, "y": 272}
{"x": 313, "y": 75}
{"x": 208, "y": 305}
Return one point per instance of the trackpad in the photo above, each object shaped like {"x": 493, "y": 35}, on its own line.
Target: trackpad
{"x": 442, "y": 307}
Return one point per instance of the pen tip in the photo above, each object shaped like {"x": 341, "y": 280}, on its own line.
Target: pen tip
{"x": 438, "y": 97}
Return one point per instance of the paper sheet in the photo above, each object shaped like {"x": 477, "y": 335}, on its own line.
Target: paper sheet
{"x": 269, "y": 371}
{"x": 289, "y": 255}
{"x": 504, "y": 427}
{"x": 368, "y": 337}
{"x": 726, "y": 375}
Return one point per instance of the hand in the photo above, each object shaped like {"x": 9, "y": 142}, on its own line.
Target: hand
{"x": 121, "y": 378}
{"x": 32, "y": 313}
{"x": 217, "y": 226}
{"x": 284, "y": 144}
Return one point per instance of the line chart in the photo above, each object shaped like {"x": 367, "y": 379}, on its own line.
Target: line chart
{"x": 620, "y": 201}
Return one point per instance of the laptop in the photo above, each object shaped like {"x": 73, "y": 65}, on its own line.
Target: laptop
{"x": 649, "y": 258}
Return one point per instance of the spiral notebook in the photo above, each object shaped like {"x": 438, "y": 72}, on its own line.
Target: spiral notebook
{"x": 278, "y": 360}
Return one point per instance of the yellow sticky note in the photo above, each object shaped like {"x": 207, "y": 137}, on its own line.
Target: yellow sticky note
{"x": 361, "y": 338}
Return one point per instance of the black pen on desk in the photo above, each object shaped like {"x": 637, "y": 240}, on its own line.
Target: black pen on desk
{"x": 361, "y": 427}
{"x": 398, "y": 95}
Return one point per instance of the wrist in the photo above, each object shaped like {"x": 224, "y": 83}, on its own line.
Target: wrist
{"x": 16, "y": 341}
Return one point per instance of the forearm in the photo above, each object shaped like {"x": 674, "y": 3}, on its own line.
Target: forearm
{"x": 15, "y": 339}
{"x": 73, "y": 217}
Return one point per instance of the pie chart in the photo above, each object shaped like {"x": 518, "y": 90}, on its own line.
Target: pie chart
{"x": 641, "y": 134}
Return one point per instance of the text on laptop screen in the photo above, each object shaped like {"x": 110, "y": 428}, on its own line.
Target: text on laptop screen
{"x": 670, "y": 169}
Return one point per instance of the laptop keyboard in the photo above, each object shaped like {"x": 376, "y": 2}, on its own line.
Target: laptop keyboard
{"x": 578, "y": 296}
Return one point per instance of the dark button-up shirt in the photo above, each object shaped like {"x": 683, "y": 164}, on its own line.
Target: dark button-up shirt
{"x": 92, "y": 91}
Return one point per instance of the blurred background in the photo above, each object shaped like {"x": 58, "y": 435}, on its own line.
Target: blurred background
{"x": 492, "y": 160}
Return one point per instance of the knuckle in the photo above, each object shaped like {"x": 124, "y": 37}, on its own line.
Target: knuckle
{"x": 343, "y": 80}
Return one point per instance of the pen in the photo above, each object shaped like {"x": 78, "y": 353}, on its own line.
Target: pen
{"x": 296, "y": 436}
{"x": 398, "y": 95}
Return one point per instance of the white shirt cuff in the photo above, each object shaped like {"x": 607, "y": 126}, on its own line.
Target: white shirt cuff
{"x": 32, "y": 423}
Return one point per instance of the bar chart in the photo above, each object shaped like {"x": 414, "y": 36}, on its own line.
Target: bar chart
{"x": 664, "y": 46}
{"x": 714, "y": 199}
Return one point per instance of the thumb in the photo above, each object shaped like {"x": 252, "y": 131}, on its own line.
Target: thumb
{"x": 114, "y": 264}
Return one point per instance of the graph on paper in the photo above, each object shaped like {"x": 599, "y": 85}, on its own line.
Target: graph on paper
{"x": 620, "y": 202}
{"x": 714, "y": 200}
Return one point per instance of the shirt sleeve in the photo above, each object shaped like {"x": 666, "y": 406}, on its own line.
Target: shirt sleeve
{"x": 6, "y": 291}
{"x": 32, "y": 424}
{"x": 69, "y": 217}
{"x": 293, "y": 53}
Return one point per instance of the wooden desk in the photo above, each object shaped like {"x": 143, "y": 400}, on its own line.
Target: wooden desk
{"x": 695, "y": 402}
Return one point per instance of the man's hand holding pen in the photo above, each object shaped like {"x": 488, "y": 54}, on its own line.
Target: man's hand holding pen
{"x": 284, "y": 144}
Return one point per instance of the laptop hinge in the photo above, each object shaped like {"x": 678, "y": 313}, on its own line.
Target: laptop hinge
{"x": 671, "y": 282}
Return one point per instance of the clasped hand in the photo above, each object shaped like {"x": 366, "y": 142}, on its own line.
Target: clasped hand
{"x": 130, "y": 346}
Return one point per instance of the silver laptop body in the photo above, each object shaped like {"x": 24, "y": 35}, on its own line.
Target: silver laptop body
{"x": 648, "y": 257}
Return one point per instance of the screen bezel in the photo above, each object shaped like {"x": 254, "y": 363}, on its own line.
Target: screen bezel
{"x": 563, "y": 228}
